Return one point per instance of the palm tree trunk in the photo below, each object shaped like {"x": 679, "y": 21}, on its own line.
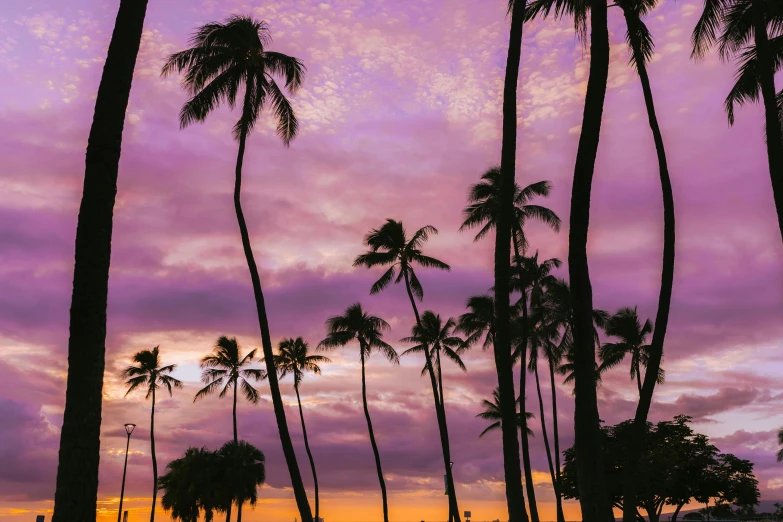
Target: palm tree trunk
{"x": 636, "y": 446}
{"x": 307, "y": 448}
{"x": 373, "y": 444}
{"x": 526, "y": 466}
{"x": 590, "y": 466}
{"x": 154, "y": 459}
{"x": 300, "y": 494}
{"x": 236, "y": 438}
{"x": 772, "y": 118}
{"x": 638, "y": 379}
{"x": 556, "y": 437}
{"x": 515, "y": 497}
{"x": 544, "y": 434}
{"x": 76, "y": 493}
{"x": 439, "y": 413}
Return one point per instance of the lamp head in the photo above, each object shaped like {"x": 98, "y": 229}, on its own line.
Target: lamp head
{"x": 129, "y": 428}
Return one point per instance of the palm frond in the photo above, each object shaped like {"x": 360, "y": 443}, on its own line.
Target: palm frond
{"x": 250, "y": 393}
{"x": 209, "y": 389}
{"x": 135, "y": 382}
{"x": 287, "y": 123}
{"x": 383, "y": 281}
{"x": 290, "y": 68}
{"x": 706, "y": 30}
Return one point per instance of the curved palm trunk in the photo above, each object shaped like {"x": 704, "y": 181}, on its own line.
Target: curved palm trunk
{"x": 76, "y": 493}
{"x": 374, "y": 445}
{"x": 307, "y": 448}
{"x": 515, "y": 497}
{"x": 300, "y": 494}
{"x": 154, "y": 459}
{"x": 544, "y": 434}
{"x": 556, "y": 437}
{"x": 772, "y": 118}
{"x": 636, "y": 446}
{"x": 236, "y": 439}
{"x": 526, "y": 466}
{"x": 439, "y": 413}
{"x": 590, "y": 466}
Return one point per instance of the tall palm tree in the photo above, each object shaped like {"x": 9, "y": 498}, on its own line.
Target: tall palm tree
{"x": 293, "y": 357}
{"x": 226, "y": 58}
{"x": 741, "y": 30}
{"x": 390, "y": 246}
{"x": 492, "y": 413}
{"x": 244, "y": 471}
{"x": 368, "y": 330}
{"x": 150, "y": 374}
{"x": 438, "y": 337}
{"x": 226, "y": 369}
{"x": 76, "y": 492}
{"x": 626, "y": 326}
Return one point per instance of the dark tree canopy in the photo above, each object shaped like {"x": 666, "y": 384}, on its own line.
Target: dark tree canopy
{"x": 677, "y": 467}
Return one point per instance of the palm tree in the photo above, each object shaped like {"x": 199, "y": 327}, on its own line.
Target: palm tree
{"x": 225, "y": 369}
{"x": 389, "y": 245}
{"x": 244, "y": 472}
{"x": 492, "y": 413}
{"x": 780, "y": 443}
{"x": 293, "y": 358}
{"x": 224, "y": 59}
{"x": 438, "y": 337}
{"x": 632, "y": 334}
{"x": 191, "y": 484}
{"x": 478, "y": 321}
{"x": 76, "y": 490}
{"x": 740, "y": 28}
{"x": 368, "y": 330}
{"x": 150, "y": 374}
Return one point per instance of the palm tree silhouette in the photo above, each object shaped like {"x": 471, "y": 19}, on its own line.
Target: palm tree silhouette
{"x": 492, "y": 413}
{"x": 389, "y": 245}
{"x": 150, "y": 374}
{"x": 225, "y": 369}
{"x": 733, "y": 25}
{"x": 632, "y": 334}
{"x": 76, "y": 489}
{"x": 780, "y": 443}
{"x": 478, "y": 321}
{"x": 224, "y": 59}
{"x": 189, "y": 485}
{"x": 293, "y": 357}
{"x": 483, "y": 211}
{"x": 244, "y": 472}
{"x": 438, "y": 337}
{"x": 368, "y": 330}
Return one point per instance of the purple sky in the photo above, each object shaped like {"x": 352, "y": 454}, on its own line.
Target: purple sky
{"x": 399, "y": 114}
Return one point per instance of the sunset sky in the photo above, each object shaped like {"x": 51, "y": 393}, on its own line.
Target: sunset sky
{"x": 400, "y": 113}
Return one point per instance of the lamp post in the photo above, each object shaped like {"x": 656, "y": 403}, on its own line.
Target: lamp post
{"x": 128, "y": 430}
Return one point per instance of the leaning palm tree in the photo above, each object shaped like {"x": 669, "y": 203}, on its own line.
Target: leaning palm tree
{"x": 226, "y": 369}
{"x": 244, "y": 471}
{"x": 492, "y": 413}
{"x": 438, "y": 337}
{"x": 367, "y": 330}
{"x": 76, "y": 490}
{"x": 225, "y": 59}
{"x": 151, "y": 375}
{"x": 626, "y": 326}
{"x": 293, "y": 357}
{"x": 749, "y": 31}
{"x": 390, "y": 246}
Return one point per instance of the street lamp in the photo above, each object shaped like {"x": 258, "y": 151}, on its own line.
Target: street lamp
{"x": 128, "y": 430}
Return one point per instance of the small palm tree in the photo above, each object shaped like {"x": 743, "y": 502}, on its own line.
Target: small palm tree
{"x": 150, "y": 374}
{"x": 479, "y": 321}
{"x": 189, "y": 485}
{"x": 224, "y": 60}
{"x": 293, "y": 358}
{"x": 632, "y": 334}
{"x": 438, "y": 337}
{"x": 244, "y": 472}
{"x": 368, "y": 330}
{"x": 225, "y": 369}
{"x": 492, "y": 413}
{"x": 389, "y": 246}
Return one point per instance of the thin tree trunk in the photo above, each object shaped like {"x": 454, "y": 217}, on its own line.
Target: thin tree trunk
{"x": 638, "y": 379}
{"x": 373, "y": 444}
{"x": 228, "y": 513}
{"x": 676, "y": 512}
{"x": 543, "y": 432}
{"x": 593, "y": 497}
{"x": 525, "y": 440}
{"x": 154, "y": 459}
{"x": 439, "y": 413}
{"x": 556, "y": 436}
{"x": 512, "y": 471}
{"x": 637, "y": 444}
{"x": 300, "y": 494}
{"x": 771, "y": 115}
{"x": 307, "y": 448}
{"x": 236, "y": 438}
{"x": 76, "y": 494}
